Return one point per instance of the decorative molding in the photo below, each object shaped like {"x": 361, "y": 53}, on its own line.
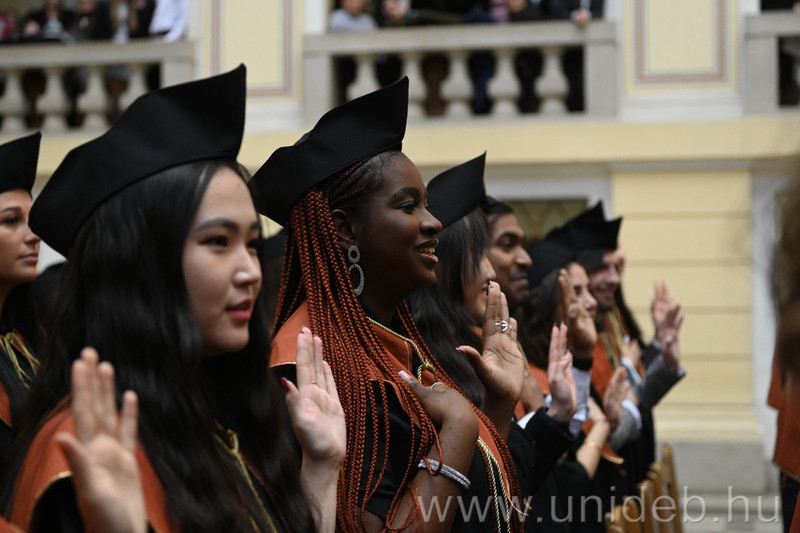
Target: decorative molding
{"x": 285, "y": 86}
{"x": 719, "y": 73}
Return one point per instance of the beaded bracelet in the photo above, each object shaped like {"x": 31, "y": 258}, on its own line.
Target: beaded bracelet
{"x": 446, "y": 471}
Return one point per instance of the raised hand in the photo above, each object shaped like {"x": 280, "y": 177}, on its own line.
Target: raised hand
{"x": 501, "y": 366}
{"x": 660, "y": 306}
{"x": 563, "y": 391}
{"x": 670, "y": 345}
{"x": 318, "y": 421}
{"x": 317, "y": 415}
{"x": 102, "y": 453}
{"x": 582, "y": 331}
{"x": 618, "y": 390}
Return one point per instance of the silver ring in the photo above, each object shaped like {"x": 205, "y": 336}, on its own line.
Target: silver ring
{"x": 503, "y": 325}
{"x": 436, "y": 383}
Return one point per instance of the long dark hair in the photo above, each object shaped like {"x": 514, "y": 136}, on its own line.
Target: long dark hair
{"x": 537, "y": 315}
{"x": 439, "y": 310}
{"x": 18, "y": 315}
{"x": 123, "y": 292}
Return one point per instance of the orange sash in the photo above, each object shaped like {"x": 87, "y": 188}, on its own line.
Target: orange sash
{"x": 786, "y": 399}
{"x": 45, "y": 464}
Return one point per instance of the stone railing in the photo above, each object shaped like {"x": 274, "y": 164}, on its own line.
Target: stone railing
{"x": 763, "y": 35}
{"x": 548, "y": 40}
{"x": 103, "y": 79}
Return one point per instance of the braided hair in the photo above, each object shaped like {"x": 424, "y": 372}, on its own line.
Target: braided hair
{"x": 315, "y": 271}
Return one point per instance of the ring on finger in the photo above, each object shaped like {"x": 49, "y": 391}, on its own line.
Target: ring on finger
{"x": 503, "y": 325}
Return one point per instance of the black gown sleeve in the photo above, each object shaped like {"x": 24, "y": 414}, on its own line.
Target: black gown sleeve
{"x": 56, "y": 510}
{"x": 553, "y": 439}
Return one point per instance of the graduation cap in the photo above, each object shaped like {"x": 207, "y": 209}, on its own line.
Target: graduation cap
{"x": 552, "y": 252}
{"x": 344, "y": 136}
{"x": 18, "y": 161}
{"x": 458, "y": 191}
{"x": 590, "y": 230}
{"x": 161, "y": 129}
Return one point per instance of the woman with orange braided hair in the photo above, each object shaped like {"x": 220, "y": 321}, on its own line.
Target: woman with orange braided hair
{"x": 420, "y": 456}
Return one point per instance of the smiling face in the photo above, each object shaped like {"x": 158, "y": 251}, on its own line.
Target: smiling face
{"x": 476, "y": 289}
{"x": 396, "y": 235}
{"x": 580, "y": 283}
{"x": 221, "y": 265}
{"x": 605, "y": 280}
{"x": 19, "y": 246}
{"x": 509, "y": 258}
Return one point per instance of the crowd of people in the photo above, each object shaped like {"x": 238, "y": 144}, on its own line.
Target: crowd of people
{"x": 96, "y": 20}
{"x": 416, "y": 365}
{"x": 118, "y": 21}
{"x": 358, "y": 15}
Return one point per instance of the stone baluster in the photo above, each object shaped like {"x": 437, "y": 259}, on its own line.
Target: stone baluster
{"x": 93, "y": 102}
{"x": 12, "y": 103}
{"x": 551, "y": 87}
{"x": 503, "y": 87}
{"x": 365, "y": 81}
{"x": 457, "y": 88}
{"x": 53, "y": 103}
{"x": 412, "y": 68}
{"x": 136, "y": 85}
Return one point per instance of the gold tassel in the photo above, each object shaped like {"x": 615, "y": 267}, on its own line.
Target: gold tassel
{"x": 12, "y": 344}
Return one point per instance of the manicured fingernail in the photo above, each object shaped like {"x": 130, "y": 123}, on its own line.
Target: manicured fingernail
{"x": 461, "y": 350}
{"x": 285, "y": 383}
{"x": 405, "y": 376}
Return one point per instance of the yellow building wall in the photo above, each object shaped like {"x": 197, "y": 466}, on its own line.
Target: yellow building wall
{"x": 692, "y": 229}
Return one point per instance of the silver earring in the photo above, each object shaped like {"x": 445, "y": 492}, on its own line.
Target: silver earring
{"x": 354, "y": 255}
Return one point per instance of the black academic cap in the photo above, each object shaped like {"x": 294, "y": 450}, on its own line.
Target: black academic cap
{"x": 180, "y": 124}
{"x": 602, "y": 235}
{"x": 345, "y": 135}
{"x": 458, "y": 191}
{"x": 18, "y": 160}
{"x": 591, "y": 230}
{"x": 592, "y": 215}
{"x": 552, "y": 252}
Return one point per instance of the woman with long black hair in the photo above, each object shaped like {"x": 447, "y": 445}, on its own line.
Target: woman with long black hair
{"x": 19, "y": 254}
{"x": 163, "y": 279}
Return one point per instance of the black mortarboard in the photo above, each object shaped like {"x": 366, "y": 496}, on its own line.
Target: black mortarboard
{"x": 553, "y": 251}
{"x": 590, "y": 216}
{"x": 161, "y": 129}
{"x": 591, "y": 230}
{"x": 18, "y": 160}
{"x": 458, "y": 191}
{"x": 345, "y": 135}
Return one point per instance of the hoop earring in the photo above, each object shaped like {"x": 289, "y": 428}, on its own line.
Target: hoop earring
{"x": 354, "y": 255}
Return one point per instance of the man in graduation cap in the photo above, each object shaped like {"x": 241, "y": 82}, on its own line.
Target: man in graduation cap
{"x": 619, "y": 340}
